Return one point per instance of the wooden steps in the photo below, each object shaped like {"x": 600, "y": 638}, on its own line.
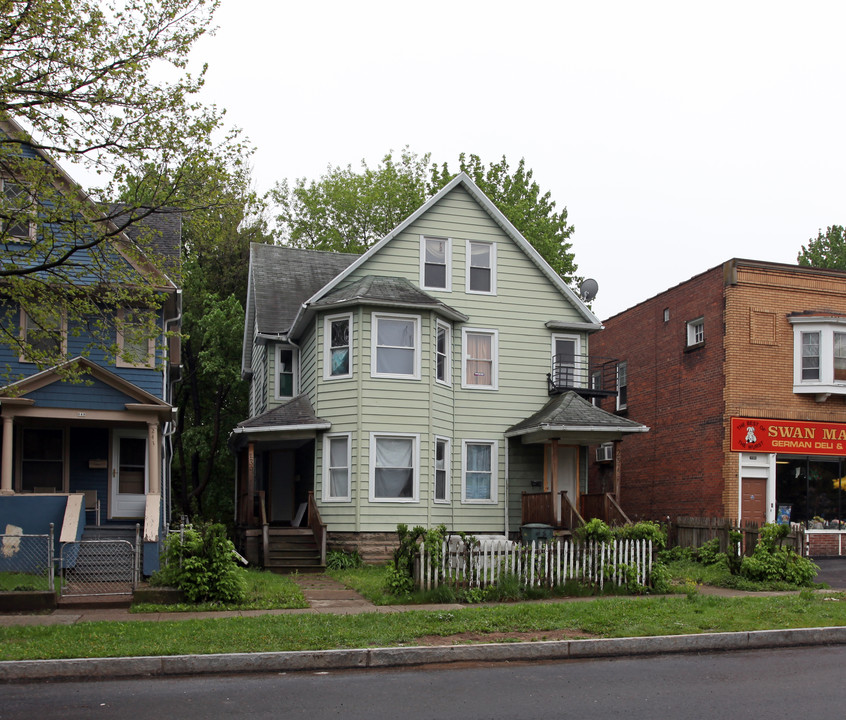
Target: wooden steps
{"x": 292, "y": 550}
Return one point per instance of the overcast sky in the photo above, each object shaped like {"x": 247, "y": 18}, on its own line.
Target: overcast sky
{"x": 677, "y": 134}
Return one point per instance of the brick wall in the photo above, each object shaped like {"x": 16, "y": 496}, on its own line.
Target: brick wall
{"x": 825, "y": 544}
{"x": 684, "y": 465}
{"x": 675, "y": 469}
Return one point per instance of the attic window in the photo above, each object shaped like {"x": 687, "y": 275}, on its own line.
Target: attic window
{"x": 435, "y": 263}
{"x": 16, "y": 208}
{"x": 481, "y": 267}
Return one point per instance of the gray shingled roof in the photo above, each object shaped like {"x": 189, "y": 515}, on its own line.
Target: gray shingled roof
{"x": 296, "y": 412}
{"x": 392, "y": 291}
{"x": 570, "y": 411}
{"x": 165, "y": 240}
{"x": 283, "y": 278}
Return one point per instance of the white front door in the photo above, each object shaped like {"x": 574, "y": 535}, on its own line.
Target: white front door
{"x": 130, "y": 477}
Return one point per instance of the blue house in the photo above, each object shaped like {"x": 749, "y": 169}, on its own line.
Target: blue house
{"x": 85, "y": 438}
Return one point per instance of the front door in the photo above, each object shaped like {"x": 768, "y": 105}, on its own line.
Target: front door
{"x": 129, "y": 482}
{"x": 754, "y": 500}
{"x": 563, "y": 475}
{"x": 282, "y": 486}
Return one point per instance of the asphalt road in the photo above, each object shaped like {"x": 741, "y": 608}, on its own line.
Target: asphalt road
{"x": 832, "y": 571}
{"x": 782, "y": 683}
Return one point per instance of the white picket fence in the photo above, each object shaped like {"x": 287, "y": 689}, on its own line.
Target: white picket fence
{"x": 538, "y": 564}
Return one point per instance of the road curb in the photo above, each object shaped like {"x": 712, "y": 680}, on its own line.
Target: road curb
{"x": 393, "y": 657}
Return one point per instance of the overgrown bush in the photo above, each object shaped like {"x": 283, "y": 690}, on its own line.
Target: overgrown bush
{"x": 595, "y": 530}
{"x": 709, "y": 553}
{"x": 772, "y": 561}
{"x": 201, "y": 562}
{"x": 643, "y": 530}
{"x": 342, "y": 560}
{"x": 399, "y": 578}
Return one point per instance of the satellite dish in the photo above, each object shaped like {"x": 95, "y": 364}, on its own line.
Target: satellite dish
{"x": 588, "y": 289}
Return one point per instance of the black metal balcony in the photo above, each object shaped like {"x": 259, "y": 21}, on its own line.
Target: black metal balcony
{"x": 588, "y": 376}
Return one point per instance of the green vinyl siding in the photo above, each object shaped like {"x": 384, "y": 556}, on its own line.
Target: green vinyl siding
{"x": 525, "y": 300}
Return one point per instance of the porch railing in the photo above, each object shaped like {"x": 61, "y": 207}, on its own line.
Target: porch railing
{"x": 315, "y": 522}
{"x": 605, "y": 507}
{"x": 588, "y": 376}
{"x": 540, "y": 508}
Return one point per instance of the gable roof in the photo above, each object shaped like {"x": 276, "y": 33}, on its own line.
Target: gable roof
{"x": 571, "y": 414}
{"x": 143, "y": 400}
{"x": 464, "y": 180}
{"x": 294, "y": 416}
{"x": 272, "y": 305}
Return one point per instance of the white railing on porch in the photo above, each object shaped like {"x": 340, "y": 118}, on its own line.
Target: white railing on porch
{"x": 537, "y": 564}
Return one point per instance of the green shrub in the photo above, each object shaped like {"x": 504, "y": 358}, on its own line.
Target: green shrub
{"x": 342, "y": 560}
{"x": 200, "y": 561}
{"x": 643, "y": 530}
{"x": 595, "y": 531}
{"x": 772, "y": 561}
{"x": 709, "y": 553}
{"x": 399, "y": 579}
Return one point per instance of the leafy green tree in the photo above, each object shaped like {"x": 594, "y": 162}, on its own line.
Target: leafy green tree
{"x": 349, "y": 211}
{"x": 826, "y": 250}
{"x": 520, "y": 199}
{"x": 77, "y": 87}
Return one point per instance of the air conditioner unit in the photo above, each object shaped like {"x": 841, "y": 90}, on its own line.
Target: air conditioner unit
{"x": 605, "y": 452}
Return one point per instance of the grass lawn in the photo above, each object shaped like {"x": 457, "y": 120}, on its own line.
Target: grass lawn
{"x": 265, "y": 591}
{"x": 602, "y": 617}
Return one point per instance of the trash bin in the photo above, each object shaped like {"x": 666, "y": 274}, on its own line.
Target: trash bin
{"x": 535, "y": 532}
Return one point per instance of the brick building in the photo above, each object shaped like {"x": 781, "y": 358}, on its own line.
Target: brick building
{"x": 740, "y": 372}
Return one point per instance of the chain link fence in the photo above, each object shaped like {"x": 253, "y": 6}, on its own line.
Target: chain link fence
{"x": 26, "y": 561}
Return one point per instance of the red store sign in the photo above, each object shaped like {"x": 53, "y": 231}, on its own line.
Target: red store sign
{"x": 753, "y": 435}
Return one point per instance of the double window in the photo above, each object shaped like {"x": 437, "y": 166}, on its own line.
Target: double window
{"x": 479, "y": 477}
{"x": 435, "y": 263}
{"x": 336, "y": 467}
{"x": 480, "y": 358}
{"x": 395, "y": 343}
{"x": 394, "y": 467}
{"x": 337, "y": 341}
{"x": 481, "y": 267}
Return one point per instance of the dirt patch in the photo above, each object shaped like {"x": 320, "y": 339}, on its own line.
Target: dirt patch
{"x": 471, "y": 638}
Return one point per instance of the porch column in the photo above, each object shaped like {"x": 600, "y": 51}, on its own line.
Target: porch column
{"x": 6, "y": 469}
{"x": 154, "y": 459}
{"x": 251, "y": 483}
{"x": 556, "y": 504}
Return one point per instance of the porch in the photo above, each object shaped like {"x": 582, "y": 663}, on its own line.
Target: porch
{"x": 564, "y": 516}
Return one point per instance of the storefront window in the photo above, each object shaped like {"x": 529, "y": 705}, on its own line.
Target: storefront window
{"x": 813, "y": 487}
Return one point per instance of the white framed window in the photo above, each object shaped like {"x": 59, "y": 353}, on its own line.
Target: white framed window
{"x": 442, "y": 469}
{"x": 18, "y": 205}
{"x": 44, "y": 339}
{"x": 336, "y": 467}
{"x": 394, "y": 467}
{"x": 479, "y": 367}
{"x": 622, "y": 385}
{"x": 481, "y": 267}
{"x": 136, "y": 347}
{"x": 819, "y": 355}
{"x": 287, "y": 371}
{"x": 443, "y": 352}
{"x": 696, "y": 332}
{"x": 337, "y": 346}
{"x": 435, "y": 263}
{"x": 395, "y": 343}
{"x": 478, "y": 471}
{"x": 566, "y": 351}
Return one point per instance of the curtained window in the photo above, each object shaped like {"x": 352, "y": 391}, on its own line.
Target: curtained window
{"x": 336, "y": 450}
{"x": 479, "y": 359}
{"x": 479, "y": 459}
{"x": 393, "y": 468}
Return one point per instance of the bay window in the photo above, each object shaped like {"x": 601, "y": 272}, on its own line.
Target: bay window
{"x": 394, "y": 467}
{"x": 395, "y": 343}
{"x": 819, "y": 355}
{"x": 337, "y": 340}
{"x": 336, "y": 467}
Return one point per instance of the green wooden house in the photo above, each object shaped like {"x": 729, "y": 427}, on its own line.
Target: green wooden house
{"x": 441, "y": 377}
